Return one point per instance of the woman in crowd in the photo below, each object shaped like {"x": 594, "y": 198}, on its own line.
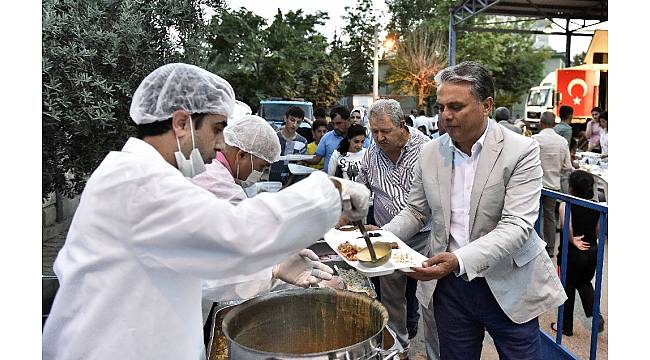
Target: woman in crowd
{"x": 592, "y": 132}
{"x": 583, "y": 248}
{"x": 345, "y": 161}
{"x": 604, "y": 133}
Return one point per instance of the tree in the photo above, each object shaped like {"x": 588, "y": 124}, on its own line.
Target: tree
{"x": 357, "y": 50}
{"x": 287, "y": 58}
{"x": 579, "y": 59}
{"x": 420, "y": 56}
{"x": 407, "y": 15}
{"x": 95, "y": 53}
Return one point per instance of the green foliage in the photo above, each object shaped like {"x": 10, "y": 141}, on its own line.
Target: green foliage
{"x": 511, "y": 58}
{"x": 287, "y": 58}
{"x": 578, "y": 59}
{"x": 95, "y": 53}
{"x": 357, "y": 51}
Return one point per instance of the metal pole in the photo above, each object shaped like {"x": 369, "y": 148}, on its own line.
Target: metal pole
{"x": 375, "y": 74}
{"x": 568, "y": 44}
{"x": 563, "y": 268}
{"x": 452, "y": 39}
{"x": 600, "y": 257}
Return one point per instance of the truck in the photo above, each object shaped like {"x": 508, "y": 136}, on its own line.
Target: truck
{"x": 582, "y": 87}
{"x": 273, "y": 110}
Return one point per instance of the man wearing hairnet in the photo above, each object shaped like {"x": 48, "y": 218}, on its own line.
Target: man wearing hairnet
{"x": 251, "y": 145}
{"x": 144, "y": 236}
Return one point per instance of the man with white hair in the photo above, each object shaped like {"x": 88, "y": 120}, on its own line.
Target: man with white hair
{"x": 144, "y": 236}
{"x": 388, "y": 171}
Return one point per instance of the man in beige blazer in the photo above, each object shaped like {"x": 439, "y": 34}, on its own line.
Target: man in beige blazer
{"x": 481, "y": 186}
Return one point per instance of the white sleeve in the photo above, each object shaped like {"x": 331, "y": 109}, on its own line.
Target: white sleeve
{"x": 179, "y": 226}
{"x": 331, "y": 167}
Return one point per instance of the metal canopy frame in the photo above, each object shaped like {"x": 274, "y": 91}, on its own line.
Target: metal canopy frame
{"x": 537, "y": 9}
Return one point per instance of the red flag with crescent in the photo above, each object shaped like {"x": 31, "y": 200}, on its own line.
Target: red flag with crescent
{"x": 577, "y": 88}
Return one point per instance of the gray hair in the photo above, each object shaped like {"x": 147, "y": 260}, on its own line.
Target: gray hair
{"x": 547, "y": 118}
{"x": 389, "y": 107}
{"x": 478, "y": 77}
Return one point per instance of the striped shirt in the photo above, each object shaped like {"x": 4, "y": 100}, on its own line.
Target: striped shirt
{"x": 391, "y": 182}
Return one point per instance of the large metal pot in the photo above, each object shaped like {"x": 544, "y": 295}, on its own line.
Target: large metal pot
{"x": 311, "y": 324}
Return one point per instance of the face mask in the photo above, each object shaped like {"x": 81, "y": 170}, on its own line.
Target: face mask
{"x": 249, "y": 184}
{"x": 193, "y": 166}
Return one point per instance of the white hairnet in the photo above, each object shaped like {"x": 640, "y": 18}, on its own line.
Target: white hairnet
{"x": 241, "y": 110}
{"x": 180, "y": 86}
{"x": 255, "y": 136}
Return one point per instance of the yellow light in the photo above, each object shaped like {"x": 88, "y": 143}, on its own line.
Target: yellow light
{"x": 389, "y": 43}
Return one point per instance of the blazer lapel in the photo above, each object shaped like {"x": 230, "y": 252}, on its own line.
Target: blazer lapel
{"x": 491, "y": 149}
{"x": 444, "y": 164}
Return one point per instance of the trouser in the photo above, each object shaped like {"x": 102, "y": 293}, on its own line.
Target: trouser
{"x": 464, "y": 310}
{"x": 581, "y": 267}
{"x": 549, "y": 225}
{"x": 393, "y": 292}
{"x": 432, "y": 344}
{"x": 412, "y": 304}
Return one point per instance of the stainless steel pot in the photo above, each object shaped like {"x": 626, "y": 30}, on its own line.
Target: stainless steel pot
{"x": 315, "y": 324}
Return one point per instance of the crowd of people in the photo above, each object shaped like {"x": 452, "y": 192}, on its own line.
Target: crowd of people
{"x": 461, "y": 187}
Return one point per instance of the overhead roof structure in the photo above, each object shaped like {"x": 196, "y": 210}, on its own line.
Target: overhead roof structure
{"x": 585, "y": 10}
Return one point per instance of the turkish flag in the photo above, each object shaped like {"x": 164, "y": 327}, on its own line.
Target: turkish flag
{"x": 578, "y": 89}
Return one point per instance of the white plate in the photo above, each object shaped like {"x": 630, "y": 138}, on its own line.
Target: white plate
{"x": 300, "y": 169}
{"x": 296, "y": 157}
{"x": 334, "y": 238}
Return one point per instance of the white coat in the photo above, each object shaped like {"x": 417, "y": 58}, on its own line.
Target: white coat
{"x": 219, "y": 181}
{"x": 142, "y": 239}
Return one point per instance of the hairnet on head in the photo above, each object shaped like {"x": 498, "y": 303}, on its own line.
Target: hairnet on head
{"x": 180, "y": 86}
{"x": 241, "y": 109}
{"x": 255, "y": 136}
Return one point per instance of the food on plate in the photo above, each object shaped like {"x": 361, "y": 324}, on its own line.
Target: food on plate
{"x": 403, "y": 258}
{"x": 370, "y": 235}
{"x": 355, "y": 281}
{"x": 348, "y": 228}
{"x": 348, "y": 250}
{"x": 382, "y": 251}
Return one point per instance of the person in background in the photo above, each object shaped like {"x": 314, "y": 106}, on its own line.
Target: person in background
{"x": 604, "y": 134}
{"x": 388, "y": 169}
{"x": 408, "y": 120}
{"x": 479, "y": 186}
{"x": 345, "y": 162}
{"x": 144, "y": 236}
{"x": 423, "y": 120}
{"x": 330, "y": 141}
{"x": 358, "y": 116}
{"x": 556, "y": 160}
{"x": 319, "y": 129}
{"x": 441, "y": 130}
{"x": 321, "y": 114}
{"x": 592, "y": 132}
{"x": 564, "y": 128}
{"x": 251, "y": 145}
{"x": 290, "y": 142}
{"x": 413, "y": 115}
{"x": 583, "y": 250}
{"x": 502, "y": 116}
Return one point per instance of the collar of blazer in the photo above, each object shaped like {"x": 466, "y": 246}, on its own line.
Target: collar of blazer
{"x": 490, "y": 152}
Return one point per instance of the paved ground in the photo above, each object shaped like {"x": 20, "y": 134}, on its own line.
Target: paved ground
{"x": 579, "y": 343}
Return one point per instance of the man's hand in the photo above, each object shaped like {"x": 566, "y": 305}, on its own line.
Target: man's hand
{"x": 354, "y": 198}
{"x": 436, "y": 267}
{"x": 577, "y": 242}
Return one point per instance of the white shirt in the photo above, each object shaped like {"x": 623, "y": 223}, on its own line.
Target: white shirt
{"x": 423, "y": 121}
{"x": 142, "y": 239}
{"x": 350, "y": 164}
{"x": 604, "y": 141}
{"x": 462, "y": 180}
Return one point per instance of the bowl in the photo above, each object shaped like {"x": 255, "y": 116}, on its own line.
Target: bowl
{"x": 382, "y": 250}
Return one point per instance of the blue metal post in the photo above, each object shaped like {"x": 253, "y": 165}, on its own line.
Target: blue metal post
{"x": 599, "y": 279}
{"x": 452, "y": 39}
{"x": 563, "y": 267}
{"x": 538, "y": 223}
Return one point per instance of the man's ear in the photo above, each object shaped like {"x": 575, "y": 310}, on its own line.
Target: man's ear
{"x": 487, "y": 105}
{"x": 181, "y": 123}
